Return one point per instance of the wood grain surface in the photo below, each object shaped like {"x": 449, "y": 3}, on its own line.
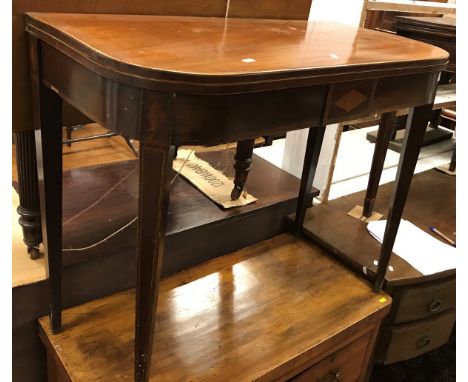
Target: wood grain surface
{"x": 274, "y": 305}
{"x": 213, "y": 50}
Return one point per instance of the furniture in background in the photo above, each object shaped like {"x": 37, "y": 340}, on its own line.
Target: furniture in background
{"x": 449, "y": 119}
{"x": 23, "y": 129}
{"x": 190, "y": 99}
{"x": 381, "y": 15}
{"x": 438, "y": 31}
{"x": 422, "y": 315}
{"x": 69, "y": 140}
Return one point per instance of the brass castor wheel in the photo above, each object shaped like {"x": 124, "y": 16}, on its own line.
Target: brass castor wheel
{"x": 33, "y": 253}
{"x": 236, "y": 193}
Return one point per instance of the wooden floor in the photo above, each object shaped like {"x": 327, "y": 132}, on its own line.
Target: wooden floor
{"x": 234, "y": 316}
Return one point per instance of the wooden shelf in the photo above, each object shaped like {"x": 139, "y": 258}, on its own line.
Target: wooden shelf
{"x": 431, "y": 202}
{"x": 190, "y": 212}
{"x": 272, "y": 309}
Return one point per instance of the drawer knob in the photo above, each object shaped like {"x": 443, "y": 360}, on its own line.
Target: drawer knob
{"x": 435, "y": 305}
{"x": 423, "y": 342}
{"x": 332, "y": 376}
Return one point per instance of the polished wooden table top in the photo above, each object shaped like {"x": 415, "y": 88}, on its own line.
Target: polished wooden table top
{"x": 241, "y": 316}
{"x": 211, "y": 50}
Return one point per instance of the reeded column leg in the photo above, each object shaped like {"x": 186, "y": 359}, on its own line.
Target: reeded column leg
{"x": 28, "y": 209}
{"x": 314, "y": 145}
{"x": 243, "y": 160}
{"x": 155, "y": 171}
{"x": 47, "y": 113}
{"x": 414, "y": 133}
{"x": 384, "y": 135}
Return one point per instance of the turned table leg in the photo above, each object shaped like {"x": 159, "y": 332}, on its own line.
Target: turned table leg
{"x": 414, "y": 133}
{"x": 243, "y": 160}
{"x": 28, "y": 209}
{"x": 47, "y": 115}
{"x": 314, "y": 145}
{"x": 384, "y": 135}
{"x": 155, "y": 171}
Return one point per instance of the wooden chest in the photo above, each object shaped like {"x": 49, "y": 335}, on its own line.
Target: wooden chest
{"x": 275, "y": 311}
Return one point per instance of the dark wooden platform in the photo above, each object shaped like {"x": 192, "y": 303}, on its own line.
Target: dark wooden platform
{"x": 111, "y": 266}
{"x": 276, "y": 310}
{"x": 191, "y": 214}
{"x": 431, "y": 202}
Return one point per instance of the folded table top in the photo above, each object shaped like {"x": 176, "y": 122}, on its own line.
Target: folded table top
{"x": 213, "y": 51}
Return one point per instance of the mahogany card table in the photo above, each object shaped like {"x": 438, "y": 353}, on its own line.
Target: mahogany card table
{"x": 169, "y": 81}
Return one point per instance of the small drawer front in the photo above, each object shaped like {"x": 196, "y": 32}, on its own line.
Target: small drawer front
{"x": 411, "y": 340}
{"x": 344, "y": 365}
{"x": 424, "y": 301}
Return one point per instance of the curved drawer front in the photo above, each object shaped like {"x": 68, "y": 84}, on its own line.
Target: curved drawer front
{"x": 424, "y": 301}
{"x": 411, "y": 340}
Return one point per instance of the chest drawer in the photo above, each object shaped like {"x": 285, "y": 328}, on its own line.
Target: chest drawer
{"x": 411, "y": 340}
{"x": 424, "y": 301}
{"x": 344, "y": 365}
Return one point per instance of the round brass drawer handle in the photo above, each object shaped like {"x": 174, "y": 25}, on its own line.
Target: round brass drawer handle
{"x": 423, "y": 342}
{"x": 435, "y": 305}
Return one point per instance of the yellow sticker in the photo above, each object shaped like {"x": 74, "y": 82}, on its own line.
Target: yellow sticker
{"x": 382, "y": 299}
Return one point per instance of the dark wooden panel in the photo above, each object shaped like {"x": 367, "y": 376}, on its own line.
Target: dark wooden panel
{"x": 270, "y": 9}
{"x": 422, "y": 301}
{"x": 188, "y": 208}
{"x": 115, "y": 105}
{"x": 419, "y": 90}
{"x": 214, "y": 119}
{"x": 27, "y": 352}
{"x": 410, "y": 340}
{"x": 212, "y": 319}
